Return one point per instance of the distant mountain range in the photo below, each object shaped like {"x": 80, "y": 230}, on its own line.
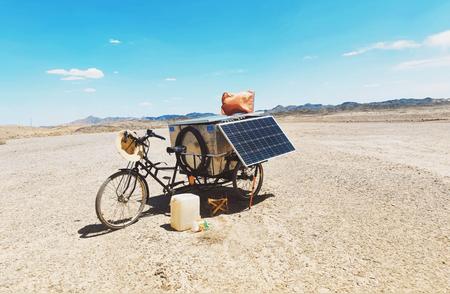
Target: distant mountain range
{"x": 305, "y": 108}
{"x": 93, "y": 120}
{"x": 355, "y": 106}
{"x": 191, "y": 115}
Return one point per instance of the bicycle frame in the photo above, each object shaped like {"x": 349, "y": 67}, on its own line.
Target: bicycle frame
{"x": 152, "y": 169}
{"x": 146, "y": 167}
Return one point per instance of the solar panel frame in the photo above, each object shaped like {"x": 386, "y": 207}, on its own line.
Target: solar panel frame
{"x": 249, "y": 120}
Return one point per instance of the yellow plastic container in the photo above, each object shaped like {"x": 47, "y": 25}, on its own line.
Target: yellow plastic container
{"x": 184, "y": 210}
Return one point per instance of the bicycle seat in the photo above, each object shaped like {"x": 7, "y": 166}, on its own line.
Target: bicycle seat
{"x": 176, "y": 149}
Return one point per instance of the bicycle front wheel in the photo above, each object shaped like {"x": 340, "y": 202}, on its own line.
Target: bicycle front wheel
{"x": 121, "y": 199}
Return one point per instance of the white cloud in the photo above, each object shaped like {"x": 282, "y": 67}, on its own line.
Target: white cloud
{"x": 396, "y": 45}
{"x": 145, "y": 104}
{"x": 89, "y": 90}
{"x": 57, "y": 71}
{"x": 72, "y": 78}
{"x": 357, "y": 52}
{"x": 309, "y": 57}
{"x": 441, "y": 39}
{"x": 77, "y": 74}
{"x": 425, "y": 63}
{"x": 114, "y": 41}
{"x": 115, "y": 72}
{"x": 170, "y": 79}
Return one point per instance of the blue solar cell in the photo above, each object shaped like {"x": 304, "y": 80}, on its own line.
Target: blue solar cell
{"x": 256, "y": 139}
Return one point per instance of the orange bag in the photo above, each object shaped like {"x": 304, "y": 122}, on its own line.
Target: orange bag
{"x": 242, "y": 102}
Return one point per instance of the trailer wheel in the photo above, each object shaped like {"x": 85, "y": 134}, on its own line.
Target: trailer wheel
{"x": 243, "y": 180}
{"x": 202, "y": 167}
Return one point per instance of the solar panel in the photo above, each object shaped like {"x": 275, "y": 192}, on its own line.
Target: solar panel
{"x": 256, "y": 139}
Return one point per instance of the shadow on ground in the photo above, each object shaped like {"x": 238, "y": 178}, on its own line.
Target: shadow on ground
{"x": 160, "y": 205}
{"x": 93, "y": 230}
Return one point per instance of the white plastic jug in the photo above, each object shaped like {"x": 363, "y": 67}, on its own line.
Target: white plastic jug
{"x": 184, "y": 210}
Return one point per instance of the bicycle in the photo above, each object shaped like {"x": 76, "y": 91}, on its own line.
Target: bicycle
{"x": 126, "y": 192}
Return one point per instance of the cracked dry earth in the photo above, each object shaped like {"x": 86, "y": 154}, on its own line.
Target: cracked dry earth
{"x": 359, "y": 208}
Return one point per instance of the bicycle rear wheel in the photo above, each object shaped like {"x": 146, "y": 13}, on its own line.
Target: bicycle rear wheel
{"x": 243, "y": 178}
{"x": 121, "y": 199}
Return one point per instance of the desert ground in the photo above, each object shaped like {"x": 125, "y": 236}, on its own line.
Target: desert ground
{"x": 359, "y": 207}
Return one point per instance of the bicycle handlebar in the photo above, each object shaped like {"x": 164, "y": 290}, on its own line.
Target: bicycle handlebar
{"x": 150, "y": 133}
{"x": 141, "y": 140}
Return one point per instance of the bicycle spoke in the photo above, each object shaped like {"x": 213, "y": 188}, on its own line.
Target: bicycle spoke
{"x": 121, "y": 214}
{"x": 129, "y": 212}
{"x": 115, "y": 210}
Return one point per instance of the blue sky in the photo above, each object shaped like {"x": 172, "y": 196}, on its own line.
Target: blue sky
{"x": 64, "y": 60}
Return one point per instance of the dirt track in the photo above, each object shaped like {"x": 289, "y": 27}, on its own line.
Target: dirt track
{"x": 360, "y": 207}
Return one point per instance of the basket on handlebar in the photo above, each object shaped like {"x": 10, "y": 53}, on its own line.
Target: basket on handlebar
{"x": 127, "y": 146}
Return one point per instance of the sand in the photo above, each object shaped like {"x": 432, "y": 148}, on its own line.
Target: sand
{"x": 359, "y": 208}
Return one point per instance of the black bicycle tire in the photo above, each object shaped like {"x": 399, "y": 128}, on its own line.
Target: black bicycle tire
{"x": 258, "y": 187}
{"x": 100, "y": 194}
{"x": 181, "y": 158}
